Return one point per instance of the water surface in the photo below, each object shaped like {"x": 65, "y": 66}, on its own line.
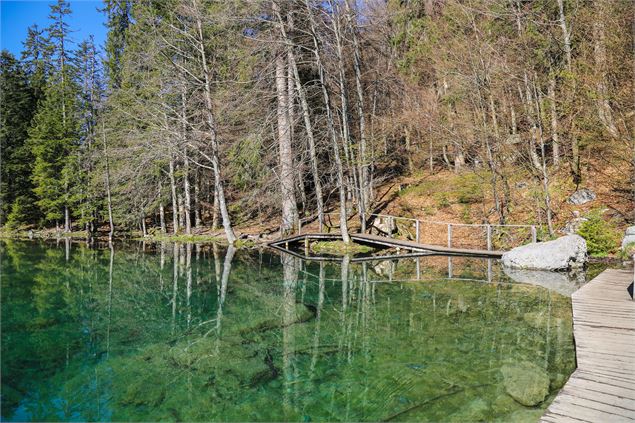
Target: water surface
{"x": 184, "y": 332}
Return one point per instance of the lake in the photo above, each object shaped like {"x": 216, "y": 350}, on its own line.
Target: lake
{"x": 167, "y": 332}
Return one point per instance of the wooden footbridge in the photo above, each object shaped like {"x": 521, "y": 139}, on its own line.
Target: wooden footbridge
{"x": 386, "y": 242}
{"x": 391, "y": 231}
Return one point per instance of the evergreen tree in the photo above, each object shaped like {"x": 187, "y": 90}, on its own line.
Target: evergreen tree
{"x": 55, "y": 132}
{"x": 17, "y": 105}
{"x": 119, "y": 14}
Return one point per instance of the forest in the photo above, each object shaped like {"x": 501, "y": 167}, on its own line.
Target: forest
{"x": 254, "y": 115}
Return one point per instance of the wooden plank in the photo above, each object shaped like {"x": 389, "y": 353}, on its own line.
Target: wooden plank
{"x": 602, "y": 389}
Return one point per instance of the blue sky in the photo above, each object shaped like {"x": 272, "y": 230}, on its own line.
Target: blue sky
{"x": 17, "y": 15}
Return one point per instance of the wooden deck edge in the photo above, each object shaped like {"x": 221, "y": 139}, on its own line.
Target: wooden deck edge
{"x": 602, "y": 387}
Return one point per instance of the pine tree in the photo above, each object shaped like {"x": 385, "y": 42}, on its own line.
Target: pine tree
{"x": 119, "y": 13}
{"x": 55, "y": 132}
{"x": 17, "y": 105}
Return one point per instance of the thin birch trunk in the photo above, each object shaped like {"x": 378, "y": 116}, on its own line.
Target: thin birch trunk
{"x": 331, "y": 129}
{"x": 175, "y": 214}
{"x": 210, "y": 120}
{"x": 555, "y": 139}
{"x": 161, "y": 209}
{"x": 108, "y": 194}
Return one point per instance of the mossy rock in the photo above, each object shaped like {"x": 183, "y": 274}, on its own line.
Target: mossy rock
{"x": 526, "y": 383}
{"x": 476, "y": 411}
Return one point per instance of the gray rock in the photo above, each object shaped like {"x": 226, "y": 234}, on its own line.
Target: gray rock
{"x": 385, "y": 225}
{"x": 525, "y": 382}
{"x": 574, "y": 224}
{"x": 565, "y": 253}
{"x": 565, "y": 283}
{"x": 581, "y": 196}
{"x": 629, "y": 236}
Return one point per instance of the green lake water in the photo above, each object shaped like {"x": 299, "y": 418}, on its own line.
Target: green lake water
{"x": 203, "y": 333}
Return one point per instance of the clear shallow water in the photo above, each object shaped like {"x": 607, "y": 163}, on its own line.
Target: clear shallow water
{"x": 203, "y": 333}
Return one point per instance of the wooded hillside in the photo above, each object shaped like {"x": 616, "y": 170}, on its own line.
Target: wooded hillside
{"x": 225, "y": 114}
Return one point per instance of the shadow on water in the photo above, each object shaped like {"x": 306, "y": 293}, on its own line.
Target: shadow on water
{"x": 142, "y": 331}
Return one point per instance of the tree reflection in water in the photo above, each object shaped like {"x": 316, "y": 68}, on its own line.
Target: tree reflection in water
{"x": 99, "y": 334}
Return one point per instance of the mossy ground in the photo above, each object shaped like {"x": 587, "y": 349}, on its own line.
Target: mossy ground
{"x": 339, "y": 248}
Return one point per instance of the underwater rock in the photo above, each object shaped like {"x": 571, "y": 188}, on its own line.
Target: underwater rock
{"x": 565, "y": 253}
{"x": 504, "y": 404}
{"x": 525, "y": 382}
{"x": 525, "y": 416}
{"x": 301, "y": 314}
{"x": 557, "y": 381}
{"x": 475, "y": 411}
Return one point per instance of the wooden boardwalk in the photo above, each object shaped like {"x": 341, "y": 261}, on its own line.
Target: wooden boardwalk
{"x": 602, "y": 389}
{"x": 386, "y": 242}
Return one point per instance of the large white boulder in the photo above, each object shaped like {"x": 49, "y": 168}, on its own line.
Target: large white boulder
{"x": 564, "y": 253}
{"x": 629, "y": 236}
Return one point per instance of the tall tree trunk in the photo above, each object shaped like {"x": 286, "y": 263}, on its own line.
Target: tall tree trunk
{"x": 604, "y": 110}
{"x": 211, "y": 124}
{"x": 555, "y": 139}
{"x": 67, "y": 219}
{"x": 179, "y": 199}
{"x": 197, "y": 201}
{"x": 566, "y": 35}
{"x": 161, "y": 209}
{"x": 363, "y": 166}
{"x": 175, "y": 213}
{"x": 108, "y": 194}
{"x": 543, "y": 167}
{"x": 331, "y": 128}
{"x": 317, "y": 182}
{"x": 187, "y": 200}
{"x": 215, "y": 211}
{"x": 285, "y": 148}
{"x": 344, "y": 112}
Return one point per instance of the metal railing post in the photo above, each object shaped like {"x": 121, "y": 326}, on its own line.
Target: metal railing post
{"x": 489, "y": 237}
{"x": 417, "y": 231}
{"x": 534, "y": 236}
{"x": 299, "y": 226}
{"x": 449, "y": 235}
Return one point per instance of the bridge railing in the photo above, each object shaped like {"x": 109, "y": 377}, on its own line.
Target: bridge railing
{"x": 458, "y": 235}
